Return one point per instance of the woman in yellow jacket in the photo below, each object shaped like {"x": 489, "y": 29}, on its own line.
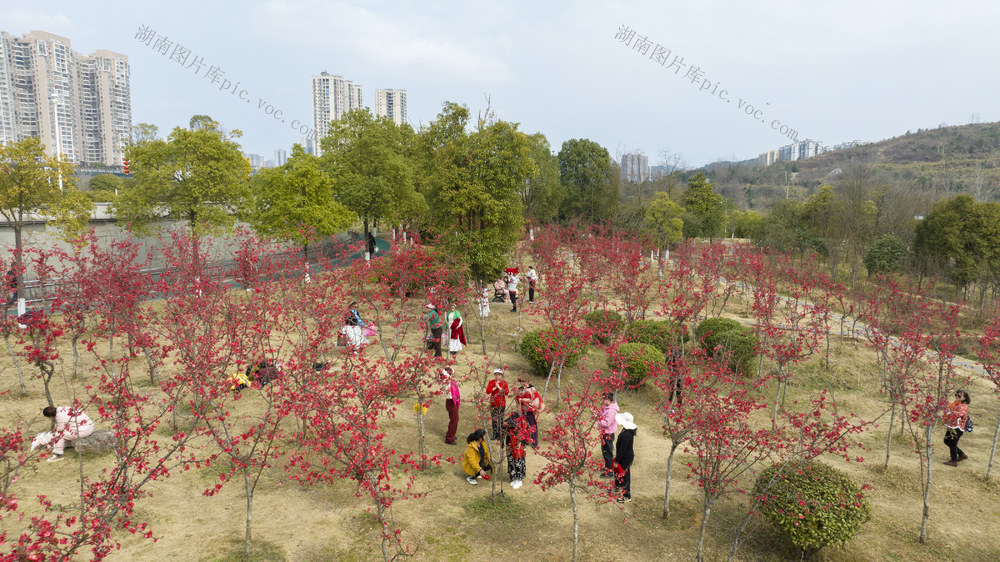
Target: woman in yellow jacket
{"x": 476, "y": 462}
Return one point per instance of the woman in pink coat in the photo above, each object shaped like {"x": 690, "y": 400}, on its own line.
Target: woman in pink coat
{"x": 71, "y": 424}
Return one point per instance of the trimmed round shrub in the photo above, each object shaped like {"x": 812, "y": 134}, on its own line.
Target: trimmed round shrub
{"x": 715, "y": 326}
{"x": 635, "y": 359}
{"x": 537, "y": 350}
{"x": 664, "y": 335}
{"x": 727, "y": 337}
{"x": 812, "y": 504}
{"x": 605, "y": 323}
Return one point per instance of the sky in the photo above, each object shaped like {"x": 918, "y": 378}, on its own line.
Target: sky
{"x": 830, "y": 71}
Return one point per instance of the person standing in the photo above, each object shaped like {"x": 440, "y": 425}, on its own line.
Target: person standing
{"x": 476, "y": 462}
{"x": 532, "y": 277}
{"x": 674, "y": 364}
{"x": 11, "y": 284}
{"x": 512, "y": 281}
{"x": 498, "y": 390}
{"x": 515, "y": 431}
{"x": 456, "y": 334}
{"x": 955, "y": 418}
{"x": 609, "y": 426}
{"x": 435, "y": 326}
{"x": 530, "y": 403}
{"x": 71, "y": 424}
{"x": 624, "y": 456}
{"x": 452, "y": 403}
{"x": 484, "y": 303}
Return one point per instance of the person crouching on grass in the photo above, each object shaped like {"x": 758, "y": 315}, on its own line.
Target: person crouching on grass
{"x": 71, "y": 424}
{"x": 476, "y": 462}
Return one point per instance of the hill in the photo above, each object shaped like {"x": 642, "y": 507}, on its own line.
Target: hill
{"x": 926, "y": 165}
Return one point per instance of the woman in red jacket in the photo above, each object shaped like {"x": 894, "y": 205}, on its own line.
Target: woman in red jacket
{"x": 954, "y": 419}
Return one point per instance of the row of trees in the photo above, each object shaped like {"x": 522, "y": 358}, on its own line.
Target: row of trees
{"x": 477, "y": 180}
{"x": 328, "y": 426}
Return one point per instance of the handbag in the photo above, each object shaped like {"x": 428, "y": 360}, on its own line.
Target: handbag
{"x": 968, "y": 423}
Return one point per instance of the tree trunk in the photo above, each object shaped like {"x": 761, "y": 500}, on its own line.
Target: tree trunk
{"x": 666, "y": 495}
{"x": 149, "y": 364}
{"x": 993, "y": 450}
{"x": 47, "y": 369}
{"x": 576, "y": 518}
{"x": 888, "y": 437}
{"x": 249, "y": 520}
{"x": 705, "y": 512}
{"x": 927, "y": 485}
{"x": 385, "y": 529}
{"x": 420, "y": 428}
{"x": 18, "y": 259}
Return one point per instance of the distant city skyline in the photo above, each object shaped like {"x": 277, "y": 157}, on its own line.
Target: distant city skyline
{"x": 78, "y": 105}
{"x": 870, "y": 78}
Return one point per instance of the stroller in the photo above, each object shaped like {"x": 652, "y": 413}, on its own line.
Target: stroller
{"x": 499, "y": 291}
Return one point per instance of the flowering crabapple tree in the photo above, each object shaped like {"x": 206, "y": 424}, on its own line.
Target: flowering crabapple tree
{"x": 936, "y": 330}
{"x": 676, "y": 422}
{"x": 568, "y": 447}
{"x": 989, "y": 356}
{"x": 627, "y": 273}
{"x": 790, "y": 331}
{"x": 725, "y": 442}
{"x": 564, "y": 304}
{"x": 817, "y": 429}
{"x": 346, "y": 440}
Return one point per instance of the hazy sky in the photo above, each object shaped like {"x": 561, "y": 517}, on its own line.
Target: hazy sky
{"x": 833, "y": 71}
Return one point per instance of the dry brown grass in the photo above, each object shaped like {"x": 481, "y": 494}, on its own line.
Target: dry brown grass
{"x": 456, "y": 521}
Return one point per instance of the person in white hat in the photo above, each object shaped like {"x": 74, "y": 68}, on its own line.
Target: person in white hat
{"x": 624, "y": 455}
{"x": 498, "y": 390}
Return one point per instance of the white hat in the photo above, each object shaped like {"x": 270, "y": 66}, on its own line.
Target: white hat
{"x": 431, "y": 306}
{"x": 624, "y": 419}
{"x": 498, "y": 370}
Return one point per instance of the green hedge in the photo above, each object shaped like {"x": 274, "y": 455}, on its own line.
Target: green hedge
{"x": 664, "y": 335}
{"x": 813, "y": 505}
{"x": 729, "y": 336}
{"x": 635, "y": 359}
{"x": 533, "y": 349}
{"x": 605, "y": 323}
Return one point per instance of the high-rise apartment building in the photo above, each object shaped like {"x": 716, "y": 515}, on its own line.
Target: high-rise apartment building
{"x": 78, "y": 105}
{"x": 391, "y": 104}
{"x": 332, "y": 97}
{"x": 280, "y": 156}
{"x": 635, "y": 168}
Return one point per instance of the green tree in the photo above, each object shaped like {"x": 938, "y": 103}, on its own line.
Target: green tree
{"x": 706, "y": 207}
{"x": 198, "y": 175}
{"x": 29, "y": 186}
{"x": 297, "y": 202}
{"x": 663, "y": 220}
{"x": 585, "y": 171}
{"x": 960, "y": 238}
{"x": 104, "y": 182}
{"x": 542, "y": 194}
{"x": 473, "y": 184}
{"x": 367, "y": 157}
{"x": 885, "y": 255}
{"x": 746, "y": 224}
